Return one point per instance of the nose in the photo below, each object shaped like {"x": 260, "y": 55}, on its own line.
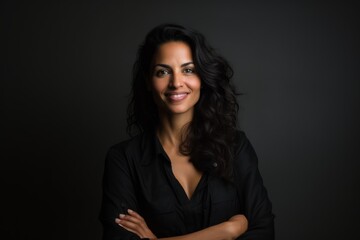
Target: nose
{"x": 176, "y": 80}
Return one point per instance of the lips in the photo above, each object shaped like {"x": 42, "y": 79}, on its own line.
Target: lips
{"x": 176, "y": 96}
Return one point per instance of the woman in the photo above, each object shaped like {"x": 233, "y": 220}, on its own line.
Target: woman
{"x": 188, "y": 173}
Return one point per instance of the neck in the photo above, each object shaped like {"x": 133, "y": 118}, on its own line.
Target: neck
{"x": 172, "y": 128}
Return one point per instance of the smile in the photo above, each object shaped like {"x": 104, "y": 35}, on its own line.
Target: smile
{"x": 176, "y": 96}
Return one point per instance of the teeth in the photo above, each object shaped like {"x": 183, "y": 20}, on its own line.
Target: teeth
{"x": 177, "y": 96}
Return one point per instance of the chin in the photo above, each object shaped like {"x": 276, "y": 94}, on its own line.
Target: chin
{"x": 179, "y": 110}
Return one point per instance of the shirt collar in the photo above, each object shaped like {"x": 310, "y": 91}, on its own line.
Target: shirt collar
{"x": 151, "y": 144}
{"x": 159, "y": 150}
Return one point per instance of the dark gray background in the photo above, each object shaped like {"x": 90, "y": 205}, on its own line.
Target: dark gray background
{"x": 65, "y": 78}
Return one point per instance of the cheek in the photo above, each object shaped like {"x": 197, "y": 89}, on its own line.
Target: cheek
{"x": 196, "y": 85}
{"x": 158, "y": 85}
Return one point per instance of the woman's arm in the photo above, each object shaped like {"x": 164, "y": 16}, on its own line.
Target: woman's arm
{"x": 230, "y": 229}
{"x": 252, "y": 193}
{"x": 118, "y": 194}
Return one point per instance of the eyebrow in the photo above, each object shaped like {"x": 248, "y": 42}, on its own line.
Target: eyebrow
{"x": 167, "y": 66}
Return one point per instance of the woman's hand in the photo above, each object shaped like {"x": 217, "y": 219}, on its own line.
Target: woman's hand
{"x": 134, "y": 223}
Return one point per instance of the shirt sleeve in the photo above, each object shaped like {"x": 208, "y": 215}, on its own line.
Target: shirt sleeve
{"x": 256, "y": 204}
{"x": 118, "y": 195}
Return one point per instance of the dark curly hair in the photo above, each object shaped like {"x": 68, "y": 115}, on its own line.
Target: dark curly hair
{"x": 210, "y": 135}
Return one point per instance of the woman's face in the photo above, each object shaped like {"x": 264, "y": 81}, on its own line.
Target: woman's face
{"x": 174, "y": 82}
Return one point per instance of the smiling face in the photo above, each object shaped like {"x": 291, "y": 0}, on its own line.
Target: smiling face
{"x": 174, "y": 82}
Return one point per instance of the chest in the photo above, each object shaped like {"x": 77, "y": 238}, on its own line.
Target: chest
{"x": 167, "y": 209}
{"x": 185, "y": 174}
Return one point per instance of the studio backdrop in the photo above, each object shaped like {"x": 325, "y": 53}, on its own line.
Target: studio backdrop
{"x": 65, "y": 82}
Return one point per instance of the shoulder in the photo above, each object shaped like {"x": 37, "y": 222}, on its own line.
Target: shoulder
{"x": 132, "y": 148}
{"x": 127, "y": 144}
{"x": 240, "y": 139}
{"x": 244, "y": 153}
{"x": 241, "y": 142}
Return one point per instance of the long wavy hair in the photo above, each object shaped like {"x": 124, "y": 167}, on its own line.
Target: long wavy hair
{"x": 210, "y": 135}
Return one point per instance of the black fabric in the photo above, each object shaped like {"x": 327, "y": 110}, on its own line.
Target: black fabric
{"x": 138, "y": 176}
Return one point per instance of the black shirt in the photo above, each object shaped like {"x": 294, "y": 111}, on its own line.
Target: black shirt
{"x": 138, "y": 176}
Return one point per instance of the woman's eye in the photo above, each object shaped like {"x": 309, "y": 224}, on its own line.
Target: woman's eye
{"x": 189, "y": 70}
{"x": 162, "y": 72}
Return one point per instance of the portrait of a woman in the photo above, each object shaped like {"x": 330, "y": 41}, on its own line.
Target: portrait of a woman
{"x": 188, "y": 172}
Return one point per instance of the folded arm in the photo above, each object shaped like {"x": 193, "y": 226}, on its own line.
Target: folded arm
{"x": 227, "y": 230}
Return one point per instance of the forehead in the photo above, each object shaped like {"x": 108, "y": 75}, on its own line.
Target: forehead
{"x": 175, "y": 51}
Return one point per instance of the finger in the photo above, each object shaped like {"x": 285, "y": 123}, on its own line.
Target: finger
{"x": 135, "y": 214}
{"x": 139, "y": 229}
{"x": 127, "y": 224}
{"x": 131, "y": 226}
{"x": 131, "y": 219}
